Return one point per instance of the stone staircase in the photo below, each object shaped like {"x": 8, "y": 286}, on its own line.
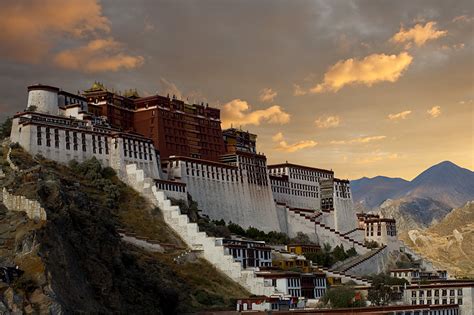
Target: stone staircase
{"x": 191, "y": 235}
{"x": 345, "y": 277}
{"x": 331, "y": 232}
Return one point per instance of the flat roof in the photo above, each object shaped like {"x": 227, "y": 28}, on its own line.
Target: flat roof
{"x": 300, "y": 166}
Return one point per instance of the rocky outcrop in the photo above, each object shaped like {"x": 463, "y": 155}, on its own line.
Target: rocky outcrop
{"x": 448, "y": 243}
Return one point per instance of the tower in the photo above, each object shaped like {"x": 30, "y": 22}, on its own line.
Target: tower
{"x": 44, "y": 98}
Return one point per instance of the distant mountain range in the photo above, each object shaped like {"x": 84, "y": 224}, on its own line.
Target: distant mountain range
{"x": 444, "y": 182}
{"x": 418, "y": 203}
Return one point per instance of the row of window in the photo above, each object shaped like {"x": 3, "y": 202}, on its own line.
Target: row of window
{"x": 444, "y": 292}
{"x": 170, "y": 187}
{"x": 458, "y": 301}
{"x": 100, "y": 144}
{"x": 137, "y": 149}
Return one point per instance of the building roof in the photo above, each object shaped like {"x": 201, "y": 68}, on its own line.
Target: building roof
{"x": 43, "y": 87}
{"x": 300, "y": 166}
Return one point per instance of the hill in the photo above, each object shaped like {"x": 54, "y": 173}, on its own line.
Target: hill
{"x": 448, "y": 243}
{"x": 76, "y": 260}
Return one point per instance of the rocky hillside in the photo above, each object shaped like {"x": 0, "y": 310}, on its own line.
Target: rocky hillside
{"x": 418, "y": 203}
{"x": 448, "y": 243}
{"x": 76, "y": 260}
{"x": 413, "y": 213}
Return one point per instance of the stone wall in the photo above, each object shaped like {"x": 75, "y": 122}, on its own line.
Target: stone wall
{"x": 32, "y": 208}
{"x": 223, "y": 192}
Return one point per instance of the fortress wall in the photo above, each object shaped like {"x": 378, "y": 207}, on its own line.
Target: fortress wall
{"x": 32, "y": 208}
{"x": 345, "y": 218}
{"x": 374, "y": 265}
{"x": 228, "y": 195}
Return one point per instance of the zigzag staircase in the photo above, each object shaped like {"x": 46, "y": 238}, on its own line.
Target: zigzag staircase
{"x": 311, "y": 218}
{"x": 352, "y": 262}
{"x": 191, "y": 235}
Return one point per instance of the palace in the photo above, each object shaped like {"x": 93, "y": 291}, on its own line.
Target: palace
{"x": 166, "y": 148}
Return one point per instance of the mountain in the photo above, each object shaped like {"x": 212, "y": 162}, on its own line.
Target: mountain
{"x": 448, "y": 243}
{"x": 371, "y": 192}
{"x": 445, "y": 183}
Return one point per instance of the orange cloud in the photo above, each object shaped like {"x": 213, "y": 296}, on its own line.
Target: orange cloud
{"x": 97, "y": 56}
{"x": 282, "y": 145}
{"x": 370, "y": 70}
{"x": 463, "y": 18}
{"x": 434, "y": 111}
{"x": 359, "y": 140}
{"x": 418, "y": 34}
{"x": 328, "y": 122}
{"x": 298, "y": 90}
{"x": 398, "y": 116}
{"x": 377, "y": 156}
{"x": 29, "y": 29}
{"x": 267, "y": 95}
{"x": 237, "y": 112}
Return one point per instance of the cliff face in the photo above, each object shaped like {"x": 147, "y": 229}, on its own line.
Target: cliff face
{"x": 80, "y": 263}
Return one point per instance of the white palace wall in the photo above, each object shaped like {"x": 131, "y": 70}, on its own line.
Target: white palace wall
{"x": 64, "y": 139}
{"x": 227, "y": 195}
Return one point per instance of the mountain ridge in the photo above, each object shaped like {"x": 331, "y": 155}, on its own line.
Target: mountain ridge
{"x": 444, "y": 182}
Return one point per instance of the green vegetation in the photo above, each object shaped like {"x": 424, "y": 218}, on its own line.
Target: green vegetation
{"x": 219, "y": 228}
{"x": 382, "y": 292}
{"x": 371, "y": 244}
{"x": 6, "y": 128}
{"x": 343, "y": 296}
{"x": 327, "y": 257}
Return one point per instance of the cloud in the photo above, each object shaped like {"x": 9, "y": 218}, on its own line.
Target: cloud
{"x": 463, "y": 19}
{"x": 282, "y": 145}
{"x": 267, "y": 95}
{"x": 398, "y": 116}
{"x": 435, "y": 111}
{"x": 377, "y": 156}
{"x": 31, "y": 28}
{"x": 328, "y": 122}
{"x": 170, "y": 88}
{"x": 370, "y": 70}
{"x": 360, "y": 140}
{"x": 418, "y": 34}
{"x": 237, "y": 112}
{"x": 298, "y": 90}
{"x": 97, "y": 55}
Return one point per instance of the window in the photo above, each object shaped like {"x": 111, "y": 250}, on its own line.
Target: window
{"x": 459, "y": 291}
{"x": 451, "y": 292}
{"x": 460, "y": 301}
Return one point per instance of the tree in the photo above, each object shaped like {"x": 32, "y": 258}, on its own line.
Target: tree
{"x": 6, "y": 128}
{"x": 381, "y": 292}
{"x": 343, "y": 296}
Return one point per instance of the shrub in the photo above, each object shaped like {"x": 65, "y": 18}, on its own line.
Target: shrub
{"x": 6, "y": 128}
{"x": 343, "y": 297}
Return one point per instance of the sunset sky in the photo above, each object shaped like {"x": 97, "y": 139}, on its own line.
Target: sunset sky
{"x": 364, "y": 88}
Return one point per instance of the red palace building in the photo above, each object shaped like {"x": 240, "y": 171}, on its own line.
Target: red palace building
{"x": 176, "y": 128}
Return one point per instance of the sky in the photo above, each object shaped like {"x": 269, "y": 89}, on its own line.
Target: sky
{"x": 365, "y": 88}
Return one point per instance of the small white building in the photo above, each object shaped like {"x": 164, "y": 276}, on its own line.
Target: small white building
{"x": 286, "y": 282}
{"x": 442, "y": 293}
{"x": 250, "y": 254}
